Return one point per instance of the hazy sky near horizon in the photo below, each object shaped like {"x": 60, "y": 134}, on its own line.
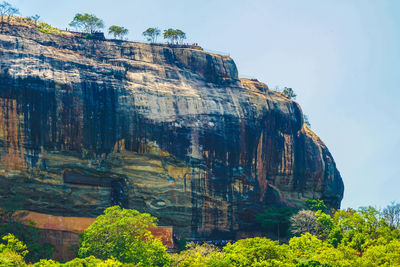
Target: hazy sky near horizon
{"x": 342, "y": 58}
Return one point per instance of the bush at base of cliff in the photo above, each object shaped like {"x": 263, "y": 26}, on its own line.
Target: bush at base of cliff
{"x": 198, "y": 255}
{"x": 86, "y": 262}
{"x": 9, "y": 258}
{"x": 256, "y": 252}
{"x": 122, "y": 234}
{"x": 12, "y": 251}
{"x": 30, "y": 236}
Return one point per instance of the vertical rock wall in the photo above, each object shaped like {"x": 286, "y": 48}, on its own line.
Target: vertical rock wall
{"x": 182, "y": 135}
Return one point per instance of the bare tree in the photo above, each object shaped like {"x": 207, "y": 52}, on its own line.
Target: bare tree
{"x": 6, "y": 9}
{"x": 392, "y": 215}
{"x": 35, "y": 18}
{"x": 303, "y": 222}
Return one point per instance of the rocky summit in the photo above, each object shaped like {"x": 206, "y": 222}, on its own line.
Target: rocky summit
{"x": 168, "y": 130}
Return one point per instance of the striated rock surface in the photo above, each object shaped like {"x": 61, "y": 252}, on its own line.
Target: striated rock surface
{"x": 85, "y": 124}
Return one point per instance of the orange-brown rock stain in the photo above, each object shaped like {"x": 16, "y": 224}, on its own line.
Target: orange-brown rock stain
{"x": 261, "y": 168}
{"x": 11, "y": 133}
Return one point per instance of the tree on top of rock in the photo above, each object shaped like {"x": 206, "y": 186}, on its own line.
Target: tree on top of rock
{"x": 7, "y": 9}
{"x": 151, "y": 34}
{"x": 289, "y": 93}
{"x": 88, "y": 23}
{"x": 117, "y": 31}
{"x": 181, "y": 35}
{"x": 35, "y": 18}
{"x": 174, "y": 35}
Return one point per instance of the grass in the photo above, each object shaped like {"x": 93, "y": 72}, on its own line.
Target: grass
{"x": 47, "y": 28}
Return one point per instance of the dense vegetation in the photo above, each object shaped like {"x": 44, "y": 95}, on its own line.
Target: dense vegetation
{"x": 314, "y": 237}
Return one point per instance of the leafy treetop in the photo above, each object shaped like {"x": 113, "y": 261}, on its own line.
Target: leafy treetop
{"x": 276, "y": 220}
{"x": 151, "y": 34}
{"x": 289, "y": 93}
{"x": 88, "y": 23}
{"x": 174, "y": 35}
{"x": 117, "y": 31}
{"x": 123, "y": 234}
{"x": 316, "y": 204}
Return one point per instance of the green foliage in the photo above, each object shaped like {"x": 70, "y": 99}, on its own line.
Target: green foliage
{"x": 88, "y": 23}
{"x": 117, "y": 31}
{"x": 8, "y": 207}
{"x": 27, "y": 233}
{"x": 255, "y": 252}
{"x": 174, "y": 35}
{"x": 46, "y": 28}
{"x": 276, "y": 220}
{"x": 306, "y": 120}
{"x": 308, "y": 248}
{"x": 312, "y": 263}
{"x": 86, "y": 262}
{"x": 13, "y": 244}
{"x": 124, "y": 234}
{"x": 30, "y": 236}
{"x": 316, "y": 223}
{"x": 47, "y": 263}
{"x": 198, "y": 255}
{"x": 363, "y": 237}
{"x": 382, "y": 255}
{"x": 151, "y": 34}
{"x": 325, "y": 224}
{"x": 12, "y": 251}
{"x": 9, "y": 258}
{"x": 289, "y": 93}
{"x": 316, "y": 205}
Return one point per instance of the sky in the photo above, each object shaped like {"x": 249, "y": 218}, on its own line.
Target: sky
{"x": 341, "y": 57}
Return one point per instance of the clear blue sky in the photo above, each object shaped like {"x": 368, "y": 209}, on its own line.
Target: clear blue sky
{"x": 342, "y": 57}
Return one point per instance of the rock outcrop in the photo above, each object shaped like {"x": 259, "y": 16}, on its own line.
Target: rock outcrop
{"x": 85, "y": 124}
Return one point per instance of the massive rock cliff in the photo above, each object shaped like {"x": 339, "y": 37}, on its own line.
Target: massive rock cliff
{"x": 173, "y": 131}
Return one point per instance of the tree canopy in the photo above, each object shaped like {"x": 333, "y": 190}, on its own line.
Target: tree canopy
{"x": 316, "y": 204}
{"x": 151, "y": 34}
{"x": 88, "y": 23}
{"x": 175, "y": 36}
{"x": 117, "y": 31}
{"x": 119, "y": 237}
{"x": 276, "y": 220}
{"x": 289, "y": 93}
{"x": 124, "y": 235}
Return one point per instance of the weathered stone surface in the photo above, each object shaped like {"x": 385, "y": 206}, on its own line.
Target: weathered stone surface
{"x": 169, "y": 131}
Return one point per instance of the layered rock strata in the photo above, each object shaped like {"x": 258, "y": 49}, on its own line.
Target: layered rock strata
{"x": 85, "y": 124}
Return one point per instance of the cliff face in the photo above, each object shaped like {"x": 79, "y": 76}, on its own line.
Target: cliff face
{"x": 85, "y": 124}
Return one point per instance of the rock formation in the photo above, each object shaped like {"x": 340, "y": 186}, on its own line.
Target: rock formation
{"x": 173, "y": 131}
